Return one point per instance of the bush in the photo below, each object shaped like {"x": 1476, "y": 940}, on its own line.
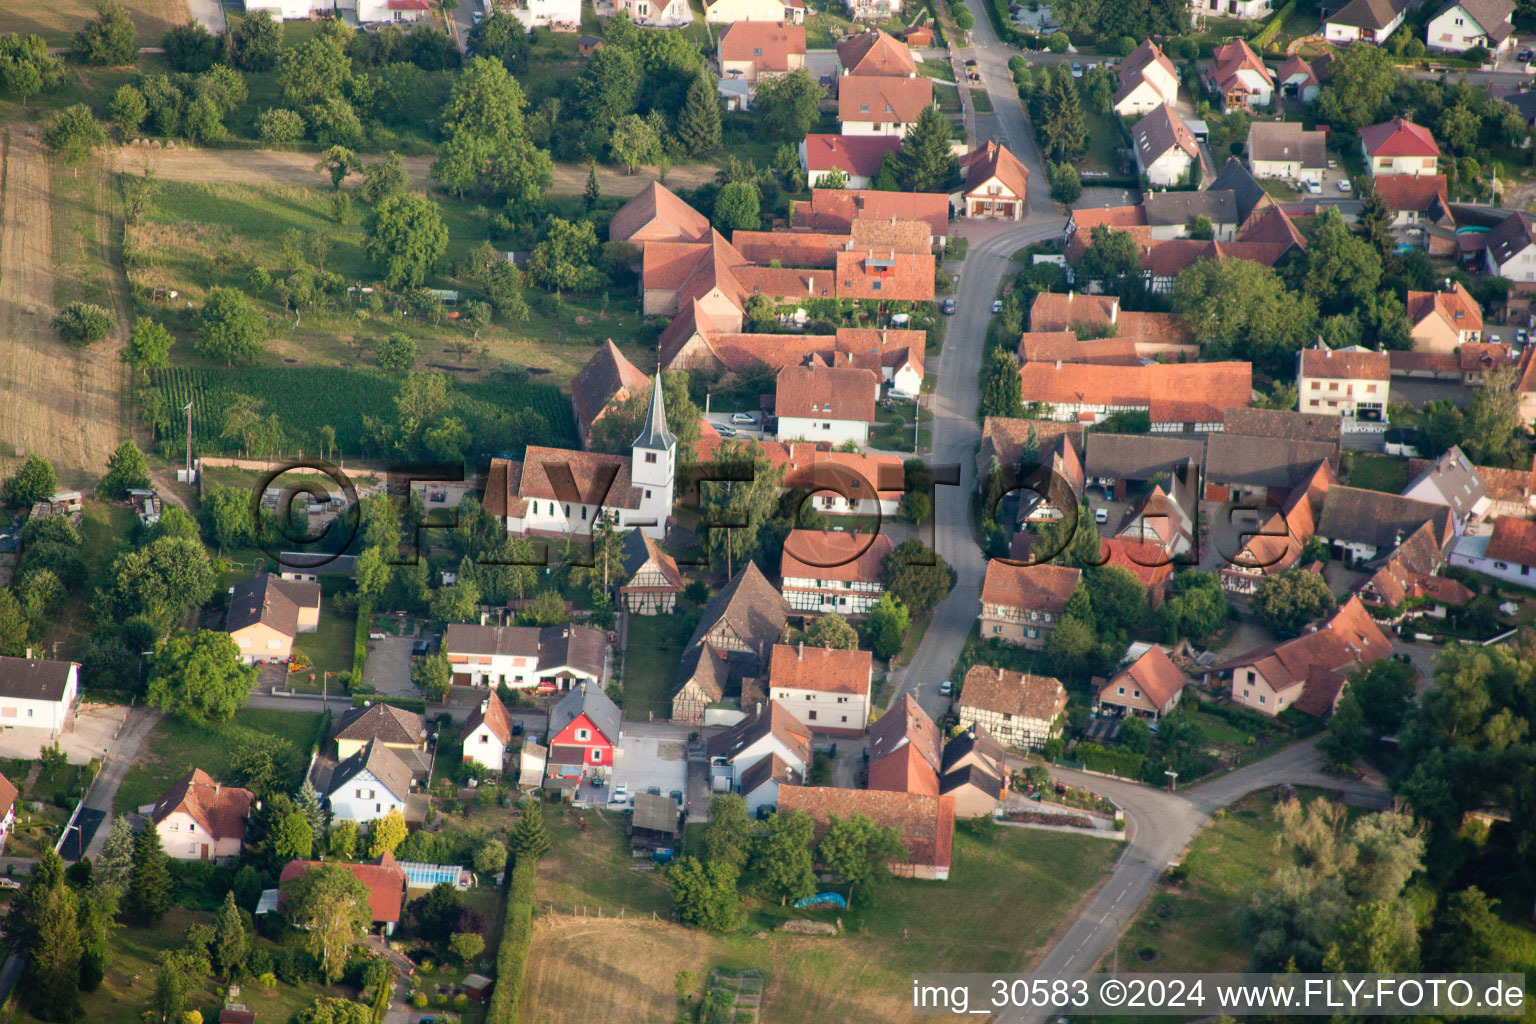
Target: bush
{"x": 1111, "y": 762}
{"x": 83, "y": 323}
{"x": 419, "y": 1000}
{"x": 1057, "y": 42}
{"x": 1066, "y": 183}
{"x": 517, "y": 934}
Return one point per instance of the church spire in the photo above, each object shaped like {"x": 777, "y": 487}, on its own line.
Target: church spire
{"x": 655, "y": 434}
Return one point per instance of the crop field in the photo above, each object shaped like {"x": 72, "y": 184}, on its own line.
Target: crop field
{"x": 308, "y": 398}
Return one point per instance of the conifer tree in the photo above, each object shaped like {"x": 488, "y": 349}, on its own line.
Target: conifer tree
{"x": 591, "y": 196}
{"x": 925, "y": 160}
{"x": 51, "y": 978}
{"x": 231, "y": 943}
{"x": 149, "y": 882}
{"x": 529, "y": 836}
{"x": 698, "y": 123}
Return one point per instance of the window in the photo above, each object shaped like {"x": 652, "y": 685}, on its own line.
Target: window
{"x": 876, "y": 286}
{"x": 484, "y": 738}
{"x": 1135, "y": 693}
{"x": 1120, "y": 690}
{"x": 1313, "y": 403}
{"x": 863, "y": 108}
{"x": 1261, "y": 698}
{"x": 845, "y": 718}
{"x": 191, "y": 827}
{"x": 583, "y": 513}
{"x": 811, "y": 715}
{"x": 567, "y": 510}
{"x": 757, "y": 51}
{"x": 1333, "y": 386}
{"x": 597, "y": 756}
{"x": 583, "y": 734}
{"x": 650, "y": 456}
{"x": 842, "y": 700}
{"x": 1245, "y": 693}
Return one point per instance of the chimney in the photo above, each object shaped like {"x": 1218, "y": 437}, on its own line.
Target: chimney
{"x": 810, "y": 284}
{"x": 800, "y": 652}
{"x": 482, "y": 618}
{"x": 757, "y": 709}
{"x": 1058, "y": 364}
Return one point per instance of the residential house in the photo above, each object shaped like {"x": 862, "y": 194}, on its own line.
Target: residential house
{"x": 1020, "y": 709}
{"x": 1359, "y": 524}
{"x": 1508, "y": 554}
{"x": 395, "y": 11}
{"x": 656, "y": 214}
{"x": 1235, "y": 177}
{"x": 1177, "y": 397}
{"x": 1406, "y": 585}
{"x": 1283, "y": 425}
{"x": 730, "y": 644}
{"x": 384, "y": 879}
{"x": 872, "y": 10}
{"x": 1166, "y": 518}
{"x": 1280, "y": 538}
{"x": 8, "y": 796}
{"x": 876, "y": 53}
{"x": 1353, "y": 383}
{"x": 880, "y": 105}
{"x": 820, "y": 403}
{"x": 728, "y": 12}
{"x": 1284, "y": 149}
{"x": 268, "y": 613}
{"x": 833, "y": 571}
{"x": 280, "y": 10}
{"x": 37, "y": 693}
{"x": 1153, "y": 333}
{"x": 1511, "y": 254}
{"x": 846, "y": 483}
{"x": 1127, "y": 464}
{"x": 894, "y": 356}
{"x": 369, "y": 785}
{"x": 605, "y": 383}
{"x": 1260, "y": 470}
{"x": 199, "y": 819}
{"x": 905, "y": 750}
{"x": 1165, "y": 149}
{"x": 1148, "y": 563}
{"x": 1275, "y": 677}
{"x": 1237, "y": 75}
{"x": 1049, "y": 346}
{"x": 1462, "y": 25}
{"x": 884, "y": 275}
{"x": 837, "y": 210}
{"x": 1298, "y": 80}
{"x": 556, "y": 15}
{"x": 654, "y": 580}
{"x": 758, "y": 50}
{"x": 1172, "y": 214}
{"x": 926, "y": 823}
{"x": 1248, "y": 10}
{"x": 402, "y": 731}
{"x": 1150, "y": 686}
{"x": 827, "y": 689}
{"x": 487, "y": 734}
{"x": 1452, "y": 481}
{"x": 768, "y": 734}
{"x": 1369, "y": 21}
{"x": 975, "y": 773}
{"x": 557, "y": 493}
{"x": 584, "y": 729}
{"x": 1399, "y": 146}
{"x": 1022, "y": 604}
{"x": 549, "y": 658}
{"x": 1148, "y": 79}
{"x": 1511, "y": 492}
{"x": 656, "y": 13}
{"x": 995, "y": 183}
{"x": 1416, "y": 200}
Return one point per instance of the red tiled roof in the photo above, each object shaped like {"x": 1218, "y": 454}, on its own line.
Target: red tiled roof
{"x": 1052, "y": 311}
{"x": 875, "y": 53}
{"x": 657, "y": 215}
{"x": 994, "y": 161}
{"x": 855, "y": 155}
{"x": 1110, "y": 216}
{"x": 768, "y": 44}
{"x": 1413, "y": 192}
{"x": 1398, "y": 137}
{"x": 1037, "y": 587}
{"x": 589, "y": 478}
{"x": 791, "y": 248}
{"x": 812, "y": 467}
{"x": 8, "y": 795}
{"x": 1349, "y": 637}
{"x": 839, "y": 393}
{"x": 823, "y": 669}
{"x": 1154, "y": 673}
{"x": 384, "y": 880}
{"x": 1233, "y": 57}
{"x": 1513, "y": 540}
{"x": 837, "y": 209}
{"x": 1345, "y": 364}
{"x": 834, "y": 555}
{"x": 906, "y": 725}
{"x": 1049, "y": 346}
{"x": 885, "y": 275}
{"x": 877, "y": 98}
{"x": 1171, "y": 392}
{"x": 494, "y": 715}
{"x": 219, "y": 810}
{"x": 1146, "y": 561}
{"x": 1457, "y": 308}
{"x": 903, "y": 771}
{"x": 926, "y": 823}
{"x": 606, "y": 378}
{"x": 1013, "y": 693}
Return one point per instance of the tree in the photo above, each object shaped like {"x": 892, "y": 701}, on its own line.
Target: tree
{"x": 1494, "y": 431}
{"x": 887, "y": 623}
{"x": 1134, "y": 735}
{"x": 51, "y": 974}
{"x": 279, "y": 126}
{"x": 126, "y": 469}
{"x": 33, "y": 481}
{"x": 437, "y": 913}
{"x": 332, "y": 1011}
{"x": 191, "y": 49}
{"x": 1063, "y": 126}
{"x": 83, "y": 323}
{"x": 149, "y": 345}
{"x": 433, "y": 675}
{"x": 1113, "y": 259}
{"x": 1242, "y": 309}
{"x": 233, "y": 329}
{"x": 562, "y": 261}
{"x": 255, "y": 42}
{"x": 291, "y": 838}
{"x": 109, "y": 40}
{"x": 331, "y": 906}
{"x": 13, "y": 626}
{"x": 199, "y": 677}
{"x": 466, "y": 946}
{"x": 74, "y": 133}
{"x": 314, "y": 71}
{"x": 490, "y": 857}
{"x": 925, "y": 162}
{"x": 385, "y": 834}
{"x": 698, "y": 123}
{"x": 127, "y": 111}
{"x": 337, "y": 161}
{"x": 114, "y": 867}
{"x": 1374, "y": 221}
{"x": 231, "y": 942}
{"x": 728, "y": 837}
{"x": 858, "y": 851}
{"x": 342, "y": 841}
{"x": 1001, "y": 392}
{"x": 1287, "y": 600}
{"x": 634, "y": 141}
{"x": 705, "y": 894}
{"x": 916, "y": 576}
{"x": 149, "y": 880}
{"x": 789, "y": 105}
{"x": 1360, "y": 83}
{"x": 1342, "y": 271}
{"x": 1464, "y": 936}
{"x": 737, "y": 207}
{"x": 407, "y": 236}
{"x": 308, "y": 801}
{"x": 504, "y": 41}
{"x": 396, "y": 352}
{"x": 1196, "y": 607}
{"x": 590, "y": 196}
{"x": 529, "y": 837}
{"x": 832, "y": 630}
{"x": 781, "y": 857}
{"x": 1066, "y": 184}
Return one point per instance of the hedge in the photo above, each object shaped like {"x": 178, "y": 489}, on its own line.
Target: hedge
{"x": 1111, "y": 762}
{"x": 516, "y": 937}
{"x": 360, "y": 641}
{"x": 416, "y": 704}
{"x": 1271, "y": 31}
{"x": 322, "y": 730}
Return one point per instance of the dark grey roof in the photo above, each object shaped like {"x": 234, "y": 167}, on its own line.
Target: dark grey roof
{"x": 319, "y": 562}
{"x": 754, "y": 608}
{"x": 772, "y": 718}
{"x": 1287, "y": 140}
{"x": 1376, "y": 518}
{"x": 1371, "y": 14}
{"x": 1262, "y": 461}
{"x": 591, "y": 701}
{"x": 1245, "y": 189}
{"x": 1511, "y": 237}
{"x": 382, "y": 763}
{"x": 579, "y": 647}
{"x": 271, "y": 600}
{"x": 655, "y": 434}
{"x": 34, "y": 678}
{"x": 1525, "y": 102}
{"x": 1283, "y": 424}
{"x": 1456, "y": 479}
{"x": 382, "y": 722}
{"x": 977, "y": 739}
{"x": 971, "y": 775}
{"x": 1182, "y": 207}
{"x": 1138, "y": 456}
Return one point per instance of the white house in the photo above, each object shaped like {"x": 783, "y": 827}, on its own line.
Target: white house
{"x": 36, "y": 693}
{"x": 833, "y": 571}
{"x": 558, "y": 493}
{"x": 845, "y": 483}
{"x": 1284, "y": 149}
{"x": 1511, "y": 250}
{"x": 656, "y": 13}
{"x": 374, "y": 11}
{"x": 522, "y": 657}
{"x": 1461, "y": 25}
{"x": 368, "y": 785}
{"x": 281, "y": 10}
{"x": 1399, "y": 146}
{"x": 8, "y": 796}
{"x": 554, "y": 14}
{"x": 759, "y": 784}
{"x": 723, "y": 12}
{"x": 881, "y": 104}
{"x": 1248, "y": 10}
{"x": 1366, "y": 21}
{"x": 1148, "y": 79}
{"x": 1165, "y": 149}
{"x": 821, "y": 403}
{"x": 1019, "y": 709}
{"x": 826, "y": 689}
{"x": 768, "y": 732}
{"x": 1352, "y": 383}
{"x": 487, "y": 734}
{"x": 199, "y": 819}
{"x": 1507, "y": 554}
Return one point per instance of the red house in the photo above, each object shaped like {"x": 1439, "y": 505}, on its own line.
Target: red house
{"x": 583, "y": 729}
{"x": 384, "y": 879}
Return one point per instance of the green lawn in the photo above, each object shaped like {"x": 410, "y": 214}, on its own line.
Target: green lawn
{"x": 1104, "y": 143}
{"x": 174, "y": 748}
{"x": 981, "y": 101}
{"x": 653, "y": 650}
{"x": 892, "y": 430}
{"x": 1378, "y": 473}
{"x": 938, "y": 70}
{"x": 592, "y": 868}
{"x": 330, "y": 647}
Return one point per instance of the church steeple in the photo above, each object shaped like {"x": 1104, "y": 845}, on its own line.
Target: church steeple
{"x": 655, "y": 436}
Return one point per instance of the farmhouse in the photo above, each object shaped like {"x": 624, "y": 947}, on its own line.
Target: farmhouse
{"x": 833, "y": 571}
{"x": 926, "y": 823}
{"x": 825, "y": 688}
{"x": 1022, "y": 604}
{"x": 1020, "y": 709}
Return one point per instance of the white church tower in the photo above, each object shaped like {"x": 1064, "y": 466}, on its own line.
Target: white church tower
{"x": 653, "y": 465}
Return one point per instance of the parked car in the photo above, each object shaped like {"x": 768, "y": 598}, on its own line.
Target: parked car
{"x": 1077, "y": 71}
{"x": 1344, "y": 185}
{"x": 1311, "y": 187}
{"x": 947, "y": 307}
{"x": 726, "y": 430}
{"x": 743, "y": 417}
{"x": 653, "y": 790}
{"x": 620, "y": 795}
{"x": 677, "y": 795}
{"x": 898, "y": 395}
{"x": 1101, "y": 514}
{"x": 946, "y": 688}
{"x": 997, "y": 306}
{"x": 420, "y": 648}
{"x": 1525, "y": 56}
{"x": 9, "y": 883}
{"x": 517, "y": 727}
{"x": 1521, "y": 336}
{"x": 479, "y": 17}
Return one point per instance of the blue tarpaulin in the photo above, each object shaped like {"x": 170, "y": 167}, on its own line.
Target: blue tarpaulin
{"x": 823, "y": 899}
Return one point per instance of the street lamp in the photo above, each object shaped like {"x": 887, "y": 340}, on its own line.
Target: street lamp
{"x": 142, "y": 656}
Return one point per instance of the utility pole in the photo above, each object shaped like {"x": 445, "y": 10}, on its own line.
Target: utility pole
{"x": 188, "y": 411}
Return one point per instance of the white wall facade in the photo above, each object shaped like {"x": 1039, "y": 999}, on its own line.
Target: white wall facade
{"x": 798, "y": 428}
{"x": 839, "y": 596}
{"x": 23, "y": 713}
{"x": 184, "y": 839}
{"x": 485, "y": 748}
{"x": 819, "y": 709}
{"x": 364, "y": 799}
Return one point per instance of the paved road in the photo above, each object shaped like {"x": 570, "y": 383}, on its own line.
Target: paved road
{"x": 125, "y": 749}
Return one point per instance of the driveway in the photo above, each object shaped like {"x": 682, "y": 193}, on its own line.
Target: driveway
{"x": 641, "y": 762}
{"x": 89, "y": 737}
{"x": 210, "y": 13}
{"x": 388, "y": 668}
{"x": 123, "y": 752}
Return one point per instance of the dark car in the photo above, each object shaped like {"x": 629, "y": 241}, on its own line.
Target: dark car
{"x": 420, "y": 649}
{"x": 1525, "y": 56}
{"x": 677, "y": 795}
{"x": 517, "y": 727}
{"x": 948, "y": 307}
{"x": 653, "y": 790}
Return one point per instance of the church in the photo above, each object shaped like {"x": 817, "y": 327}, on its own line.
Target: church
{"x": 556, "y": 493}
